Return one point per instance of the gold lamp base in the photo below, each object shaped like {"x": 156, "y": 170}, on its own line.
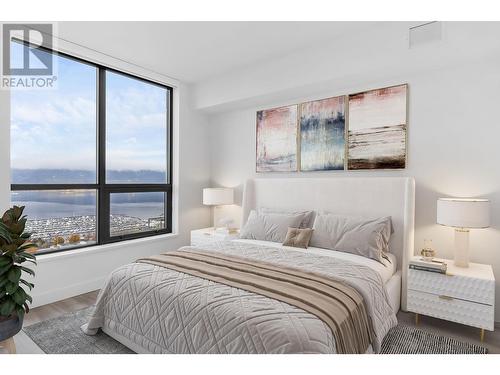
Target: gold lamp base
{"x": 461, "y": 247}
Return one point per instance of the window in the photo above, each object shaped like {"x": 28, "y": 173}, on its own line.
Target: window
{"x": 91, "y": 160}
{"x": 136, "y": 135}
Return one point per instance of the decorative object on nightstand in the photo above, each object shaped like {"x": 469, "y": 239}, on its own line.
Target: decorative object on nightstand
{"x": 219, "y": 197}
{"x": 462, "y": 295}
{"x": 200, "y": 237}
{"x": 463, "y": 214}
{"x": 428, "y": 253}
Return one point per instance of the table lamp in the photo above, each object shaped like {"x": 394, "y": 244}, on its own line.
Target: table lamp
{"x": 219, "y": 197}
{"x": 463, "y": 214}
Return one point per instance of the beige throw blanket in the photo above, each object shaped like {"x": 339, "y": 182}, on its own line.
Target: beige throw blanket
{"x": 337, "y": 304}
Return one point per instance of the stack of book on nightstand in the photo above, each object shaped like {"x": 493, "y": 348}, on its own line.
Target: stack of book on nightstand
{"x": 431, "y": 266}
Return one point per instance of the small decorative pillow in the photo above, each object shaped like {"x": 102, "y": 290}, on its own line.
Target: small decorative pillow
{"x": 298, "y": 237}
{"x": 269, "y": 227}
{"x": 308, "y": 215}
{"x": 366, "y": 237}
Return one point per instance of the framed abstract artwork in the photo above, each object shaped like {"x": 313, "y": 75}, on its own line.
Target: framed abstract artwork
{"x": 277, "y": 140}
{"x": 377, "y": 124}
{"x": 322, "y": 134}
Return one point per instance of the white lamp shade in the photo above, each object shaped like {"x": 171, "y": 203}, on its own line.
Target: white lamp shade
{"x": 463, "y": 212}
{"x": 218, "y": 196}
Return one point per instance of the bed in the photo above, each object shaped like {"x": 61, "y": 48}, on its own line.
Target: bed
{"x": 155, "y": 309}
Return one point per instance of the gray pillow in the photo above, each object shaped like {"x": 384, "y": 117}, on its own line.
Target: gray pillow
{"x": 356, "y": 235}
{"x": 298, "y": 237}
{"x": 269, "y": 227}
{"x": 308, "y": 215}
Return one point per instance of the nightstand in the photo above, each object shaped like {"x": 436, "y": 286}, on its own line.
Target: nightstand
{"x": 209, "y": 235}
{"x": 462, "y": 295}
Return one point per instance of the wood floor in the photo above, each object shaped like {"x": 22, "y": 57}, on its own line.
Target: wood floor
{"x": 53, "y": 310}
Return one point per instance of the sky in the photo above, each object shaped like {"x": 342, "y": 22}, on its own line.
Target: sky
{"x": 56, "y": 128}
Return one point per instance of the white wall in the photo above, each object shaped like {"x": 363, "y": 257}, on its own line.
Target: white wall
{"x": 452, "y": 138}
{"x": 63, "y": 275}
{"x": 357, "y": 59}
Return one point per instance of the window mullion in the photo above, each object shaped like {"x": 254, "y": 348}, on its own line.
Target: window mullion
{"x": 103, "y": 201}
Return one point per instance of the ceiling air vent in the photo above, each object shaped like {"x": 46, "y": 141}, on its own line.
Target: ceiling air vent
{"x": 425, "y": 33}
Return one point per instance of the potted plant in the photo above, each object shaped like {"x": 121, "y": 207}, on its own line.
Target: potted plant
{"x": 15, "y": 250}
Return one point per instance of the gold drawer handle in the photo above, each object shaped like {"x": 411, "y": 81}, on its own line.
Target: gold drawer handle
{"x": 448, "y": 298}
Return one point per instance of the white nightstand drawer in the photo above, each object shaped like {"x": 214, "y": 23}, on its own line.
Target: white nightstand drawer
{"x": 457, "y": 286}
{"x": 452, "y": 309}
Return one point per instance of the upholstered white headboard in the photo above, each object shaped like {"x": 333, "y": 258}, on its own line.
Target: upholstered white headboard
{"x": 363, "y": 196}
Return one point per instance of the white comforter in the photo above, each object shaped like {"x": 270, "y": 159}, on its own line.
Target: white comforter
{"x": 158, "y": 310}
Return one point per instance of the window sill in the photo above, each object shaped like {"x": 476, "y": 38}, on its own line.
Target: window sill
{"x": 44, "y": 258}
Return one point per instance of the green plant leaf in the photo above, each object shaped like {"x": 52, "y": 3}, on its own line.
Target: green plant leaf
{"x": 20, "y": 251}
{"x": 5, "y": 233}
{"x": 17, "y": 212}
{"x": 4, "y": 269}
{"x": 27, "y": 270}
{"x": 9, "y": 249}
{"x": 18, "y": 228}
{"x": 3, "y": 280}
{"x": 14, "y": 274}
{"x": 26, "y": 257}
{"x": 3, "y": 293}
{"x": 7, "y": 217}
{"x": 11, "y": 287}
{"x": 7, "y": 307}
{"x": 19, "y": 296}
{"x": 20, "y": 312}
{"x": 28, "y": 260}
{"x": 4, "y": 260}
{"x": 23, "y": 259}
{"x": 29, "y": 285}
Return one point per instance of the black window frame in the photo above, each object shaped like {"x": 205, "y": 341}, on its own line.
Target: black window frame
{"x": 103, "y": 189}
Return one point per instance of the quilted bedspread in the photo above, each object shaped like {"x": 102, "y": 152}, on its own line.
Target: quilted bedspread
{"x": 164, "y": 311}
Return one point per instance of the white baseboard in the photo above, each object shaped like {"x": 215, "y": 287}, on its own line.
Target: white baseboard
{"x": 67, "y": 292}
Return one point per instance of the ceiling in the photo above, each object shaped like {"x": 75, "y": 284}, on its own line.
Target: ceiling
{"x": 197, "y": 51}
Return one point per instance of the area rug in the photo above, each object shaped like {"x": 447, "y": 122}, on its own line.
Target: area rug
{"x": 404, "y": 339}
{"x": 63, "y": 335}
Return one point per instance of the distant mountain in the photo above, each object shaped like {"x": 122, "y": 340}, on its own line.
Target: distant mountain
{"x": 77, "y": 176}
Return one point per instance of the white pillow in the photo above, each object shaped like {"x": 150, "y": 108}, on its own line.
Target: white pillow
{"x": 308, "y": 215}
{"x": 269, "y": 226}
{"x": 361, "y": 236}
